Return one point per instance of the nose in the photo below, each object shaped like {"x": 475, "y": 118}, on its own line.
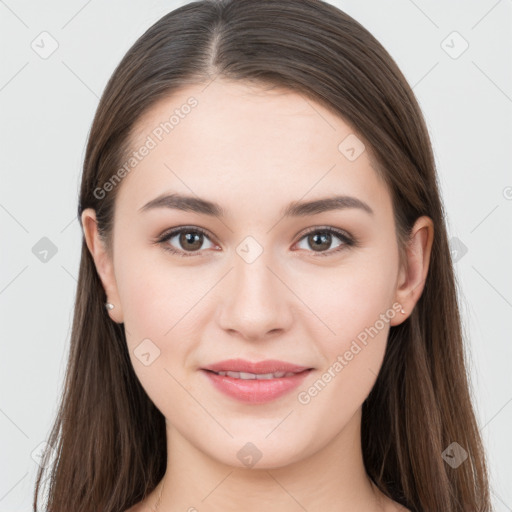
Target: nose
{"x": 256, "y": 303}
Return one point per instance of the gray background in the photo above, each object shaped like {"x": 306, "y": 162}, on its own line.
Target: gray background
{"x": 47, "y": 106}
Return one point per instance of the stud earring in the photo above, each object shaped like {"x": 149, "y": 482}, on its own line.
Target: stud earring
{"x": 108, "y": 305}
{"x": 402, "y": 311}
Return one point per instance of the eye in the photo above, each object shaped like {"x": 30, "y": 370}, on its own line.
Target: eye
{"x": 190, "y": 239}
{"x": 322, "y": 238}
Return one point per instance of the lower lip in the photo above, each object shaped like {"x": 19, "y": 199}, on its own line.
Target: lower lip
{"x": 255, "y": 391}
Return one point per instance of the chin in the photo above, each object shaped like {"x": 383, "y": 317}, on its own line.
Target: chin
{"x": 260, "y": 454}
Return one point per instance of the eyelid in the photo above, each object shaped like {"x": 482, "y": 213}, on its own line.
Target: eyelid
{"x": 174, "y": 231}
{"x": 331, "y": 229}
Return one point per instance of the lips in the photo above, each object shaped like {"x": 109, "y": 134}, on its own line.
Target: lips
{"x": 255, "y": 383}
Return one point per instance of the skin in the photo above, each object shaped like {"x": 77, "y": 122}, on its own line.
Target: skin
{"x": 255, "y": 151}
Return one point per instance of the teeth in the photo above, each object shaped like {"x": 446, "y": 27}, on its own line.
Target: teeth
{"x": 265, "y": 376}
{"x": 258, "y": 376}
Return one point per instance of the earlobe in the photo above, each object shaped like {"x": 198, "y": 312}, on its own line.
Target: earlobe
{"x": 103, "y": 263}
{"x": 413, "y": 275}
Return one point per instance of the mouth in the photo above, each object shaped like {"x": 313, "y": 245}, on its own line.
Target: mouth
{"x": 256, "y": 387}
{"x": 257, "y": 376}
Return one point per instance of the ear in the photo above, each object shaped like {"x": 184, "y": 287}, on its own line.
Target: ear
{"x": 103, "y": 262}
{"x": 412, "y": 276}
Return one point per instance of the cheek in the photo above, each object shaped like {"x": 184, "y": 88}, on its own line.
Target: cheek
{"x": 352, "y": 357}
{"x": 158, "y": 298}
{"x": 344, "y": 300}
{"x": 163, "y": 314}
{"x": 355, "y": 309}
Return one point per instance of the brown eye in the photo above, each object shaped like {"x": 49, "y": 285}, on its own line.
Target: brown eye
{"x": 190, "y": 240}
{"x": 320, "y": 241}
{"x": 185, "y": 241}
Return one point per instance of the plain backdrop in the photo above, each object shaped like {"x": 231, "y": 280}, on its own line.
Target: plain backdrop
{"x": 456, "y": 55}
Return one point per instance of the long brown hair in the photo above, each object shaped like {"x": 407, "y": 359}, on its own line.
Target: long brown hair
{"x": 109, "y": 439}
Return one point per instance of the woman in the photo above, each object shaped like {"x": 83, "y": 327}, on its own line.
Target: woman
{"x": 266, "y": 314}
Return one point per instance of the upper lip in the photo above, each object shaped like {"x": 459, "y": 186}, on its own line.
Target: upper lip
{"x": 258, "y": 367}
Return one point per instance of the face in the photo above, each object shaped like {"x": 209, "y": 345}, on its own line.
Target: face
{"x": 314, "y": 287}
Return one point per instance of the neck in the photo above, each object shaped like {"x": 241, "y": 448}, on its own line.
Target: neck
{"x": 331, "y": 479}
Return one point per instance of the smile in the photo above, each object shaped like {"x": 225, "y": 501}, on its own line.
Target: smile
{"x": 260, "y": 376}
{"x": 254, "y": 388}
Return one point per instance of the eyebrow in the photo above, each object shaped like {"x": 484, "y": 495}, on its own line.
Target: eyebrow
{"x": 294, "y": 209}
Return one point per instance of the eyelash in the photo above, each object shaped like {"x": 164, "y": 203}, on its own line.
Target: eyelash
{"x": 348, "y": 241}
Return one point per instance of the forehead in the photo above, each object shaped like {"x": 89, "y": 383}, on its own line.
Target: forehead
{"x": 239, "y": 143}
